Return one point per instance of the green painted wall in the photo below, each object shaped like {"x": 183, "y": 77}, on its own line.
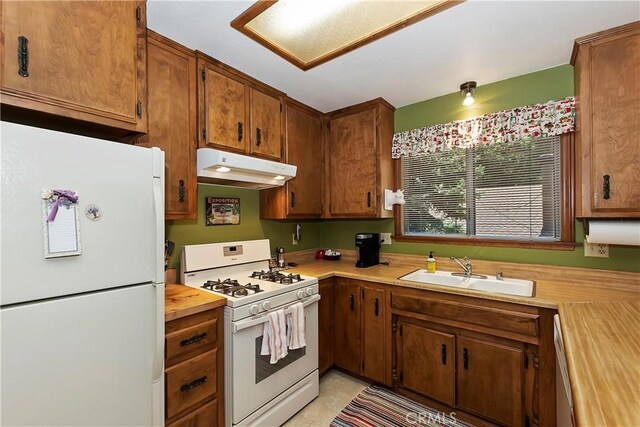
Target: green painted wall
{"x": 541, "y": 86}
{"x": 193, "y": 232}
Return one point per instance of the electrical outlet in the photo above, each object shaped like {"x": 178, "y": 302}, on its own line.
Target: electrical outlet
{"x": 600, "y": 250}
{"x": 385, "y": 238}
{"x": 293, "y": 239}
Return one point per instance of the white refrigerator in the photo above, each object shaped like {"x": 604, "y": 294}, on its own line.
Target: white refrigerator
{"x": 82, "y": 294}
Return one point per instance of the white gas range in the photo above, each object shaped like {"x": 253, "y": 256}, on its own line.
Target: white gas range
{"x": 240, "y": 271}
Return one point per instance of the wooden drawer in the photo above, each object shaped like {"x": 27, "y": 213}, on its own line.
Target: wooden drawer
{"x": 204, "y": 416}
{"x": 492, "y": 317}
{"x": 185, "y": 343}
{"x": 190, "y": 382}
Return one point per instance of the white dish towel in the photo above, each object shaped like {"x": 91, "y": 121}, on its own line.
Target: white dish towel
{"x": 295, "y": 327}
{"x": 274, "y": 336}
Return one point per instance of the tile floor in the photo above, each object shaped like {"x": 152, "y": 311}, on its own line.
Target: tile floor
{"x": 336, "y": 391}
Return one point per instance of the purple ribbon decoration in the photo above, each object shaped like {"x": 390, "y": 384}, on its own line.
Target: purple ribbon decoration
{"x": 65, "y": 198}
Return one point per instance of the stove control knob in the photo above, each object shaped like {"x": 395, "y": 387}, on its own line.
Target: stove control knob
{"x": 300, "y": 294}
{"x": 309, "y": 292}
{"x": 254, "y": 309}
{"x": 266, "y": 305}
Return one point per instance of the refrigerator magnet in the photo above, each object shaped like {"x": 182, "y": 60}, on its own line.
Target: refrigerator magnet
{"x": 60, "y": 223}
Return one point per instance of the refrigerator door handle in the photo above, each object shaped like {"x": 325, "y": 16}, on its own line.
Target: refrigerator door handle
{"x": 158, "y": 207}
{"x": 158, "y": 359}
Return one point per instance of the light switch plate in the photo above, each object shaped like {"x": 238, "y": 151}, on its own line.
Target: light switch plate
{"x": 599, "y": 250}
{"x": 385, "y": 238}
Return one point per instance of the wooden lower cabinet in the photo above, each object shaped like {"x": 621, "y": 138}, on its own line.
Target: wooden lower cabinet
{"x": 348, "y": 335}
{"x": 490, "y": 380}
{"x": 373, "y": 360}
{"x": 326, "y": 322}
{"x": 426, "y": 362}
{"x": 194, "y": 370}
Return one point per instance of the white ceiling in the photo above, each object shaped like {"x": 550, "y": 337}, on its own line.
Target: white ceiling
{"x": 478, "y": 40}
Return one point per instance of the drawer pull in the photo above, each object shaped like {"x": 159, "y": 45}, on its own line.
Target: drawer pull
{"x": 194, "y": 339}
{"x": 193, "y": 384}
{"x": 444, "y": 354}
{"x": 23, "y": 56}
{"x": 376, "y": 307}
{"x": 351, "y": 302}
{"x": 181, "y": 191}
{"x": 606, "y": 187}
{"x": 369, "y": 199}
{"x": 239, "y": 131}
{"x": 465, "y": 358}
{"x": 258, "y": 137}
{"x": 293, "y": 199}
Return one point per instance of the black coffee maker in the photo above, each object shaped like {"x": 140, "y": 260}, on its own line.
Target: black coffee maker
{"x": 368, "y": 247}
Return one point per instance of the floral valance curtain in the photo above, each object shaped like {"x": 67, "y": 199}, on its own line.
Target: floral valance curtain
{"x": 533, "y": 121}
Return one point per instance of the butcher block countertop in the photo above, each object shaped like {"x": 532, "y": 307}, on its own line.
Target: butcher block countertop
{"x": 599, "y": 312}
{"x": 181, "y": 301}
{"x": 602, "y": 345}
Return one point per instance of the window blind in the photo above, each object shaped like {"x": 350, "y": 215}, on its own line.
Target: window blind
{"x": 506, "y": 190}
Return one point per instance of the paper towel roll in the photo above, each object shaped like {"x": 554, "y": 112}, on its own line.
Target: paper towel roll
{"x": 614, "y": 232}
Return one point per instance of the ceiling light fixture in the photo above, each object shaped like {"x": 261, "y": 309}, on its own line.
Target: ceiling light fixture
{"x": 308, "y": 33}
{"x": 223, "y": 169}
{"x": 466, "y": 90}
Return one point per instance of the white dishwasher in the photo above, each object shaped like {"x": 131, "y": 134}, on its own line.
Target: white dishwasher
{"x": 564, "y": 399}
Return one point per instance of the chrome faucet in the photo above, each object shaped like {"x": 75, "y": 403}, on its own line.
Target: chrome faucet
{"x": 465, "y": 263}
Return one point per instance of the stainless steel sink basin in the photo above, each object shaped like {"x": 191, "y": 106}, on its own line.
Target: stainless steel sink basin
{"x": 524, "y": 288}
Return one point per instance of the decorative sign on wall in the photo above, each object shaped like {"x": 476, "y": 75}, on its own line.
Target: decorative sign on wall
{"x": 222, "y": 211}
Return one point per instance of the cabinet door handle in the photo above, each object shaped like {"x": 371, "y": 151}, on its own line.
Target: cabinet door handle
{"x": 181, "y": 191}
{"x": 258, "y": 137}
{"x": 376, "y": 307}
{"x": 606, "y": 187}
{"x": 465, "y": 358}
{"x": 351, "y": 302}
{"x": 369, "y": 199}
{"x": 443, "y": 354}
{"x": 293, "y": 199}
{"x": 239, "y": 131}
{"x": 193, "y": 384}
{"x": 194, "y": 339}
{"x": 23, "y": 56}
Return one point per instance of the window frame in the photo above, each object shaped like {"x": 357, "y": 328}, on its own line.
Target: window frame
{"x": 567, "y": 188}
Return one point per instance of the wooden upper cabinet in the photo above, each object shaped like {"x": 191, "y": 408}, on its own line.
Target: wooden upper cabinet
{"x": 426, "y": 361}
{"x": 358, "y": 161}
{"x": 222, "y": 109}
{"x": 489, "y": 380}
{"x": 236, "y": 112}
{"x": 607, "y": 79}
{"x": 300, "y": 197}
{"x": 172, "y": 121}
{"x": 266, "y": 125}
{"x": 79, "y": 60}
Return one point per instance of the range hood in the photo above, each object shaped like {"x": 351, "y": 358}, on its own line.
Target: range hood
{"x": 237, "y": 170}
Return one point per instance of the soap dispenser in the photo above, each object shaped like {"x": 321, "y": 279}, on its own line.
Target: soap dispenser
{"x": 431, "y": 263}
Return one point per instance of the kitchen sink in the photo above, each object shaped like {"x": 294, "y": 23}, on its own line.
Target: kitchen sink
{"x": 524, "y": 288}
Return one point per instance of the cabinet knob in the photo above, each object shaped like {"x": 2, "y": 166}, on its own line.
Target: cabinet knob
{"x": 181, "y": 191}
{"x": 23, "y": 56}
{"x": 606, "y": 187}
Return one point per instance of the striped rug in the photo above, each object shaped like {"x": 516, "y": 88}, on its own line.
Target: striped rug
{"x": 378, "y": 407}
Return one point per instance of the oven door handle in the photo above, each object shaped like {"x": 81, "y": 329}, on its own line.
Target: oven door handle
{"x": 248, "y": 323}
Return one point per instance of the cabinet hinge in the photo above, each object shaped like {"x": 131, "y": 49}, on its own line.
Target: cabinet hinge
{"x": 138, "y": 15}
{"x": 526, "y": 421}
{"x": 204, "y": 134}
{"x": 139, "y": 109}
{"x": 526, "y": 361}
{"x": 204, "y": 75}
